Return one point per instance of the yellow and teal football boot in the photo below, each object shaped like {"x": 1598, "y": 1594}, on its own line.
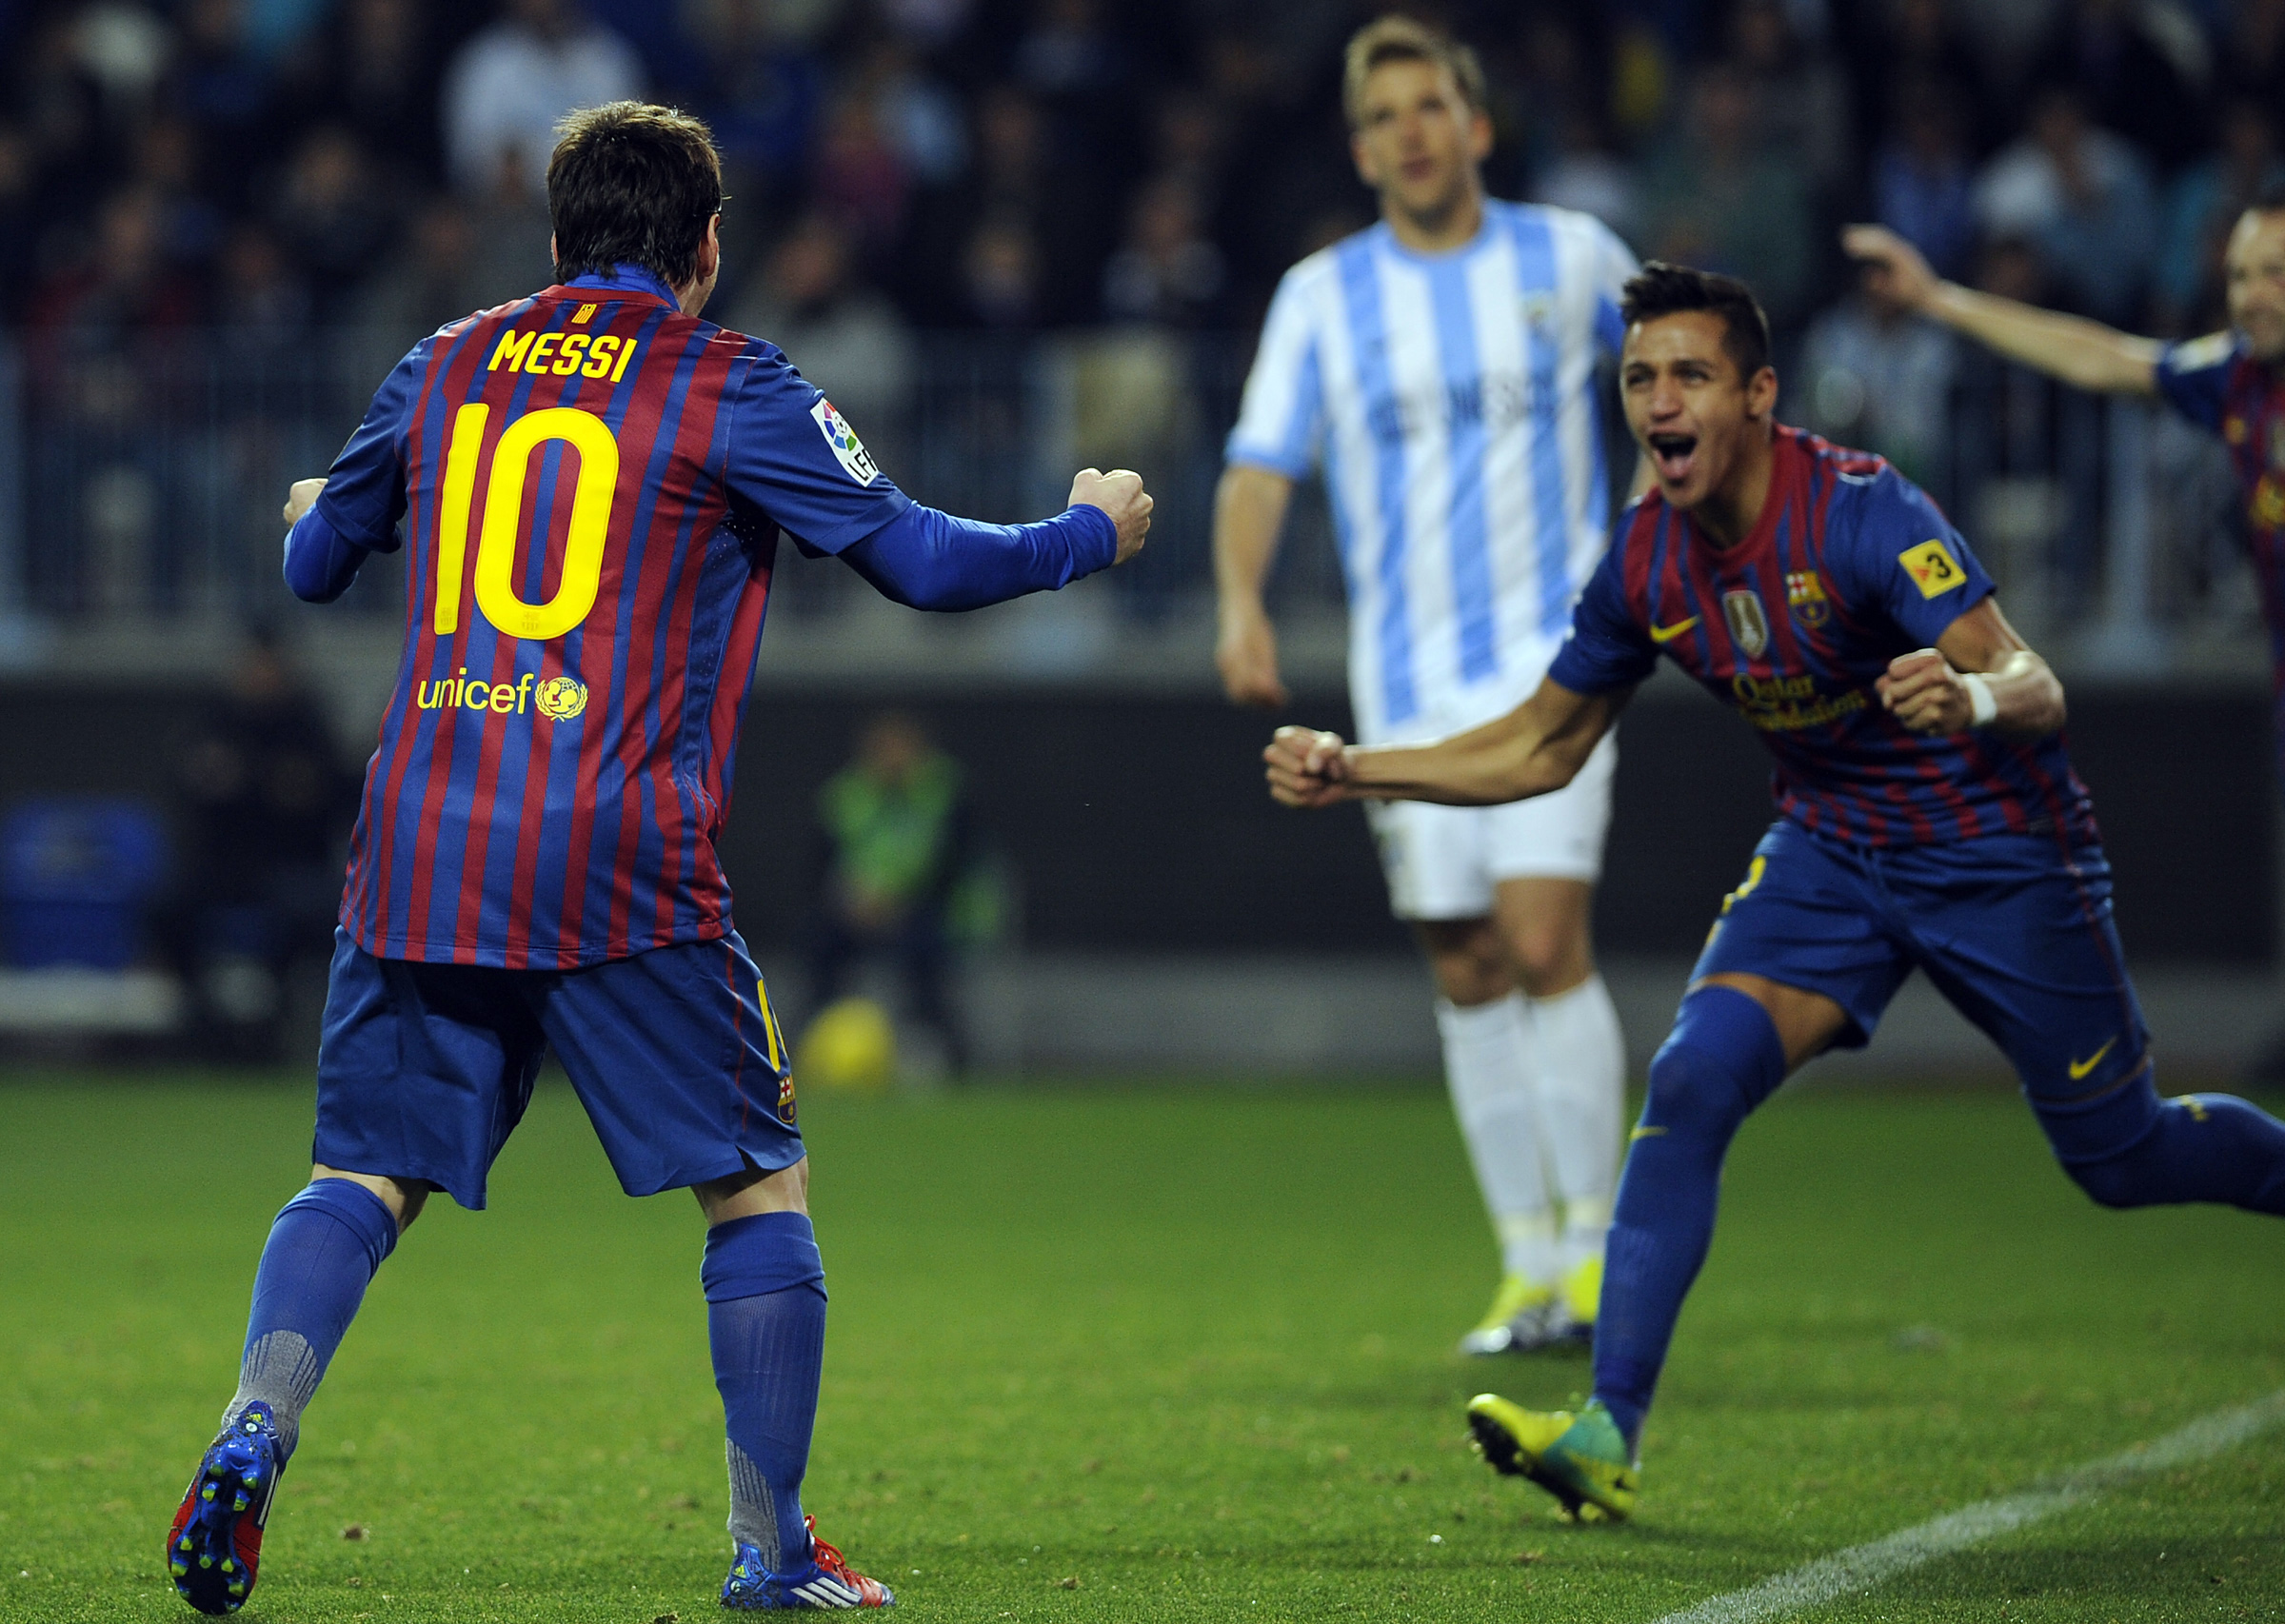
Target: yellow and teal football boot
{"x": 1580, "y": 1460}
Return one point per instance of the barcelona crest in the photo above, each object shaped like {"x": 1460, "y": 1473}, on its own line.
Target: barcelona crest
{"x": 1749, "y": 626}
{"x": 1805, "y": 596}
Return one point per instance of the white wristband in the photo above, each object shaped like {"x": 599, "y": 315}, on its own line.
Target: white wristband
{"x": 1982, "y": 707}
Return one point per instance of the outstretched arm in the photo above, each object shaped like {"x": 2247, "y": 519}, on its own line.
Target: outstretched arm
{"x": 2085, "y": 354}
{"x": 929, "y": 560}
{"x": 1980, "y": 674}
{"x": 1537, "y": 747}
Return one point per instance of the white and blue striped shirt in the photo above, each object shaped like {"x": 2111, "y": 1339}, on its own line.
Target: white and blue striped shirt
{"x": 1451, "y": 401}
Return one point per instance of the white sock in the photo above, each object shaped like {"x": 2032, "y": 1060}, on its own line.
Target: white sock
{"x": 1580, "y": 1060}
{"x": 1487, "y": 1063}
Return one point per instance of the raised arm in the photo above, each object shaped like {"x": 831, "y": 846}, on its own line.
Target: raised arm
{"x": 1249, "y": 509}
{"x": 1537, "y": 747}
{"x": 2085, "y": 354}
{"x": 1980, "y": 674}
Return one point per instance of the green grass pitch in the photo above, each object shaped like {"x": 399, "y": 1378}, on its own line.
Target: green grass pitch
{"x": 1129, "y": 1353}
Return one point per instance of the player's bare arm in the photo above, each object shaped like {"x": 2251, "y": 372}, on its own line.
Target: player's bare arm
{"x": 2085, "y": 354}
{"x": 1934, "y": 690}
{"x": 1121, "y": 496}
{"x": 1537, "y": 747}
{"x": 1249, "y": 507}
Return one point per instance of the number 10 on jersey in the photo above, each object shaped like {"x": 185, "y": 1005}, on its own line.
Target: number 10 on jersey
{"x": 582, "y": 539}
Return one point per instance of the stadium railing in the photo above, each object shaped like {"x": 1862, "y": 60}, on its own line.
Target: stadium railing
{"x": 141, "y": 476}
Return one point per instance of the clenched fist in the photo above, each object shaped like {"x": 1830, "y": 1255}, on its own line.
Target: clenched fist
{"x": 1307, "y": 767}
{"x": 1118, "y": 493}
{"x": 300, "y": 497}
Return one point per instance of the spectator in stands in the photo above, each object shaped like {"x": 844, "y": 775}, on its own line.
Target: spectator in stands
{"x": 1921, "y": 42}
{"x": 19, "y": 200}
{"x": 512, "y": 232}
{"x": 1167, "y": 271}
{"x": 2085, "y": 197}
{"x": 1800, "y": 94}
{"x": 844, "y": 337}
{"x": 1718, "y": 200}
{"x": 761, "y": 90}
{"x": 1584, "y": 173}
{"x": 2201, "y": 205}
{"x": 264, "y": 797}
{"x": 896, "y": 837}
{"x": 1880, "y": 377}
{"x": 218, "y": 81}
{"x": 1001, "y": 274}
{"x": 169, "y": 161}
{"x": 2253, "y": 57}
{"x": 1015, "y": 236}
{"x": 1922, "y": 187}
{"x": 508, "y": 85}
{"x": 373, "y": 70}
{"x": 122, "y": 285}
{"x": 337, "y": 216}
{"x": 429, "y": 280}
{"x": 2136, "y": 68}
{"x": 257, "y": 288}
{"x": 862, "y": 179}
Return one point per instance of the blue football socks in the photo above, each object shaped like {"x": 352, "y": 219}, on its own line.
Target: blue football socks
{"x": 2201, "y": 1147}
{"x": 765, "y": 1313}
{"x": 324, "y": 1250}
{"x": 1722, "y": 1059}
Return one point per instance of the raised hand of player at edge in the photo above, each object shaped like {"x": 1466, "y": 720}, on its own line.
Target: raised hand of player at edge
{"x": 1307, "y": 767}
{"x": 1118, "y": 493}
{"x": 1922, "y": 691}
{"x": 300, "y": 497}
{"x": 1894, "y": 270}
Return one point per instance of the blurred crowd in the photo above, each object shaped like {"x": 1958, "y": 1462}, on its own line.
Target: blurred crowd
{"x": 1049, "y": 162}
{"x": 901, "y": 170}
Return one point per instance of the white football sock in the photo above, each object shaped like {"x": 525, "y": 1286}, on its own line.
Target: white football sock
{"x": 1487, "y": 1064}
{"x": 1580, "y": 1060}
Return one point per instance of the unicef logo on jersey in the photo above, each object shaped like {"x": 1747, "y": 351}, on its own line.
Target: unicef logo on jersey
{"x": 560, "y": 698}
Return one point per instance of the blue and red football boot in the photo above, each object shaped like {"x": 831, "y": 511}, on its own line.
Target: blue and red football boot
{"x": 826, "y": 1580}
{"x": 215, "y": 1545}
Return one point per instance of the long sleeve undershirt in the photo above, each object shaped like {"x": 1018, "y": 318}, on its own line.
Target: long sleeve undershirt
{"x": 921, "y": 558}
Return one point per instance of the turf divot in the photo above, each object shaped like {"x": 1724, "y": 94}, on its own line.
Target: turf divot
{"x": 1861, "y": 1567}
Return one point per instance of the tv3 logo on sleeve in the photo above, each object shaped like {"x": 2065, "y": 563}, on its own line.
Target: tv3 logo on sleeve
{"x": 1933, "y": 568}
{"x": 847, "y": 449}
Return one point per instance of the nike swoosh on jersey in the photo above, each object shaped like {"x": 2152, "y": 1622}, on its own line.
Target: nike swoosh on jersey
{"x": 2080, "y": 1068}
{"x": 1667, "y": 634}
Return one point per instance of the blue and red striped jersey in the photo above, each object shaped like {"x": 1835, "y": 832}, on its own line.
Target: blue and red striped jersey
{"x": 2216, "y": 383}
{"x": 1850, "y": 566}
{"x": 593, "y": 485}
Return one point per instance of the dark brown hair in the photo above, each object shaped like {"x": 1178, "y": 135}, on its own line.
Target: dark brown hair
{"x": 1399, "y": 38}
{"x": 632, "y": 184}
{"x": 1663, "y": 289}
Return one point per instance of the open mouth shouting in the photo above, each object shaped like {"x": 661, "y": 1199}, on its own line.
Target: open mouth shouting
{"x": 1672, "y": 455}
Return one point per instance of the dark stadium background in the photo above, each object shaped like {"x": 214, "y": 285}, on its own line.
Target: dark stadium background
{"x": 1011, "y": 238}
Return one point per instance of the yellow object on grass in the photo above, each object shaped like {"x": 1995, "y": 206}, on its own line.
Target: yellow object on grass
{"x": 852, "y": 1045}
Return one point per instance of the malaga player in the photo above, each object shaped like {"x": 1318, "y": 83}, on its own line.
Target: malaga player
{"x": 1930, "y": 821}
{"x": 1440, "y": 368}
{"x": 589, "y": 485}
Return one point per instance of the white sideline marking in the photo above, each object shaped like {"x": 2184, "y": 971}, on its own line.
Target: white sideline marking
{"x": 1861, "y": 1567}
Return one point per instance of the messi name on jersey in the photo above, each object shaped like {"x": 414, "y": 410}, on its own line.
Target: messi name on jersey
{"x": 590, "y": 486}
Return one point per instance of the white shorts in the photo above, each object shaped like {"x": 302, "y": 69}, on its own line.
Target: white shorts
{"x": 1443, "y": 861}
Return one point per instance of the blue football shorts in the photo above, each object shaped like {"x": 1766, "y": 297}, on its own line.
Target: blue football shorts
{"x": 2013, "y": 930}
{"x": 423, "y": 1070}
